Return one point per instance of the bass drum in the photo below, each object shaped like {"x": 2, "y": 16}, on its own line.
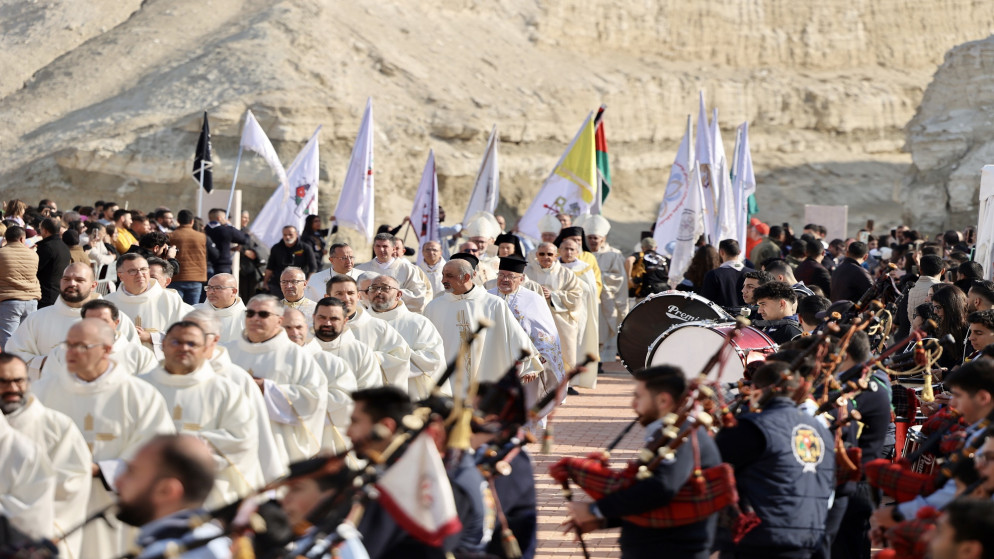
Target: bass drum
{"x": 656, "y": 314}
{"x": 691, "y": 346}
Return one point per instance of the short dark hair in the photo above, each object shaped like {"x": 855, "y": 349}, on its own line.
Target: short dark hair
{"x": 983, "y": 318}
{"x": 384, "y": 237}
{"x": 153, "y": 239}
{"x": 119, "y": 213}
{"x": 10, "y": 357}
{"x": 730, "y": 247}
{"x": 973, "y": 376}
{"x": 985, "y": 289}
{"x": 384, "y": 402}
{"x": 167, "y": 268}
{"x": 100, "y": 304}
{"x": 70, "y": 237}
{"x": 809, "y": 307}
{"x": 761, "y": 276}
{"x": 973, "y": 520}
{"x": 663, "y": 378}
{"x": 771, "y": 373}
{"x": 339, "y": 278}
{"x": 336, "y": 246}
{"x": 331, "y": 302}
{"x": 775, "y": 232}
{"x": 14, "y": 233}
{"x": 856, "y": 249}
{"x": 930, "y": 265}
{"x": 812, "y": 250}
{"x": 138, "y": 217}
{"x": 175, "y": 460}
{"x": 859, "y": 347}
{"x": 184, "y": 217}
{"x": 48, "y": 225}
{"x": 971, "y": 270}
{"x": 128, "y": 257}
{"x": 778, "y": 266}
{"x": 776, "y": 290}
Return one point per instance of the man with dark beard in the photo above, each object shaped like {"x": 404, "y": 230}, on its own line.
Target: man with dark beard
{"x": 161, "y": 491}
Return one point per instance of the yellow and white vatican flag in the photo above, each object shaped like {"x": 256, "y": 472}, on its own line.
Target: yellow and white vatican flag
{"x": 572, "y": 185}
{"x": 355, "y": 203}
{"x": 417, "y": 493}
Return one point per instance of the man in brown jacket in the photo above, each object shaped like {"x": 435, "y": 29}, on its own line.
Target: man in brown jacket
{"x": 191, "y": 252}
{"x": 19, "y": 287}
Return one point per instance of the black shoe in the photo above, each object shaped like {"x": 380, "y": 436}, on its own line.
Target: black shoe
{"x": 600, "y": 368}
{"x": 572, "y": 391}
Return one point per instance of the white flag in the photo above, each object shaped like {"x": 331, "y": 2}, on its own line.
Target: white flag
{"x": 254, "y": 139}
{"x": 677, "y": 193}
{"x": 691, "y": 228}
{"x": 726, "y": 226}
{"x": 744, "y": 183}
{"x": 417, "y": 494}
{"x": 705, "y": 156}
{"x": 486, "y": 191}
{"x": 355, "y": 203}
{"x": 424, "y": 214}
{"x": 572, "y": 185}
{"x": 282, "y": 210}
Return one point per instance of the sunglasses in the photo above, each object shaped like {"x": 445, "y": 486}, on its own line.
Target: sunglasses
{"x": 262, "y": 314}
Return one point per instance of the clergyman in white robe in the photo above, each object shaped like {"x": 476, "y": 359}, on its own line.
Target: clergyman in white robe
{"x": 232, "y": 318}
{"x": 360, "y": 358}
{"x": 70, "y": 460}
{"x": 27, "y": 486}
{"x": 341, "y": 385}
{"x": 565, "y": 301}
{"x": 416, "y": 291}
{"x": 391, "y": 349}
{"x": 154, "y": 310}
{"x": 588, "y": 339}
{"x": 131, "y": 355}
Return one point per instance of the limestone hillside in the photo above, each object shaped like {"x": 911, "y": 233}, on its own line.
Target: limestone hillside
{"x": 102, "y": 98}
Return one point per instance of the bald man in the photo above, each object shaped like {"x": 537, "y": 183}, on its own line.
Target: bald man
{"x": 293, "y": 282}
{"x": 225, "y": 304}
{"x": 44, "y": 329}
{"x": 117, "y": 414}
{"x": 431, "y": 263}
{"x": 163, "y": 488}
{"x": 456, "y": 314}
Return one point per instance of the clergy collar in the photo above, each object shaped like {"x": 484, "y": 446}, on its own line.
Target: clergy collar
{"x": 295, "y": 304}
{"x": 383, "y": 265}
{"x": 152, "y": 286}
{"x": 231, "y": 306}
{"x": 202, "y": 373}
{"x": 62, "y": 304}
{"x": 281, "y": 332}
{"x": 29, "y": 400}
{"x": 111, "y": 365}
{"x": 390, "y": 313}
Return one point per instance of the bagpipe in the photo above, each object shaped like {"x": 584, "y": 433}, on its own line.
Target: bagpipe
{"x": 706, "y": 492}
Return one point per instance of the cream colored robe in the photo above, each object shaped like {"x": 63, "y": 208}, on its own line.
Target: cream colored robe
{"x": 588, "y": 337}
{"x": 392, "y": 351}
{"x": 46, "y": 328}
{"x": 427, "y": 362}
{"x": 132, "y": 356}
{"x": 117, "y": 413}
{"x": 566, "y": 303}
{"x": 415, "y": 291}
{"x": 27, "y": 486}
{"x": 434, "y": 275}
{"x": 341, "y": 385}
{"x": 71, "y": 463}
{"x": 496, "y": 348}
{"x": 316, "y": 284}
{"x": 157, "y": 308}
{"x": 614, "y": 298}
{"x": 232, "y": 318}
{"x": 212, "y": 408}
{"x": 358, "y": 356}
{"x": 294, "y": 391}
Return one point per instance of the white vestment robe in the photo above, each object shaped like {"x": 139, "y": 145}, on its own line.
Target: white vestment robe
{"x": 566, "y": 303}
{"x": 317, "y": 283}
{"x": 341, "y": 385}
{"x": 392, "y": 351}
{"x": 27, "y": 486}
{"x": 414, "y": 290}
{"x": 294, "y": 391}
{"x": 486, "y": 270}
{"x": 154, "y": 310}
{"x": 232, "y": 318}
{"x": 212, "y": 408}
{"x": 496, "y": 348}
{"x": 434, "y": 275}
{"x": 117, "y": 413}
{"x": 614, "y": 299}
{"x": 534, "y": 316}
{"x": 587, "y": 342}
{"x": 71, "y": 463}
{"x": 132, "y": 356}
{"x": 303, "y": 305}
{"x": 427, "y": 360}
{"x": 358, "y": 356}
{"x": 46, "y": 328}
{"x": 272, "y": 456}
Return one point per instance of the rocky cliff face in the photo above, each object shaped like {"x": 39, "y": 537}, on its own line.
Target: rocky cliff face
{"x": 950, "y": 138}
{"x": 102, "y": 98}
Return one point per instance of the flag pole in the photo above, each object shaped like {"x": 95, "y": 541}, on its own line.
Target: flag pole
{"x": 231, "y": 195}
{"x": 200, "y": 192}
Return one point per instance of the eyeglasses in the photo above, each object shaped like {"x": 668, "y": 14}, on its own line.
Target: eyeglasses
{"x": 292, "y": 282}
{"x": 217, "y": 287}
{"x": 344, "y": 257}
{"x": 136, "y": 271}
{"x": 14, "y": 381}
{"x": 80, "y": 347}
{"x": 188, "y": 345}
{"x": 379, "y": 289}
{"x": 262, "y": 314}
{"x": 508, "y": 276}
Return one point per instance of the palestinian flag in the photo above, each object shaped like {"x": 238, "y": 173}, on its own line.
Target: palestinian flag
{"x": 603, "y": 168}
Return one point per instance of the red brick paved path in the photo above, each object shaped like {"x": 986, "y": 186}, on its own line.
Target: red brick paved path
{"x": 585, "y": 423}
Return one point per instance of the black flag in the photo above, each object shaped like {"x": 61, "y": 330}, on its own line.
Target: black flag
{"x": 202, "y": 158}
